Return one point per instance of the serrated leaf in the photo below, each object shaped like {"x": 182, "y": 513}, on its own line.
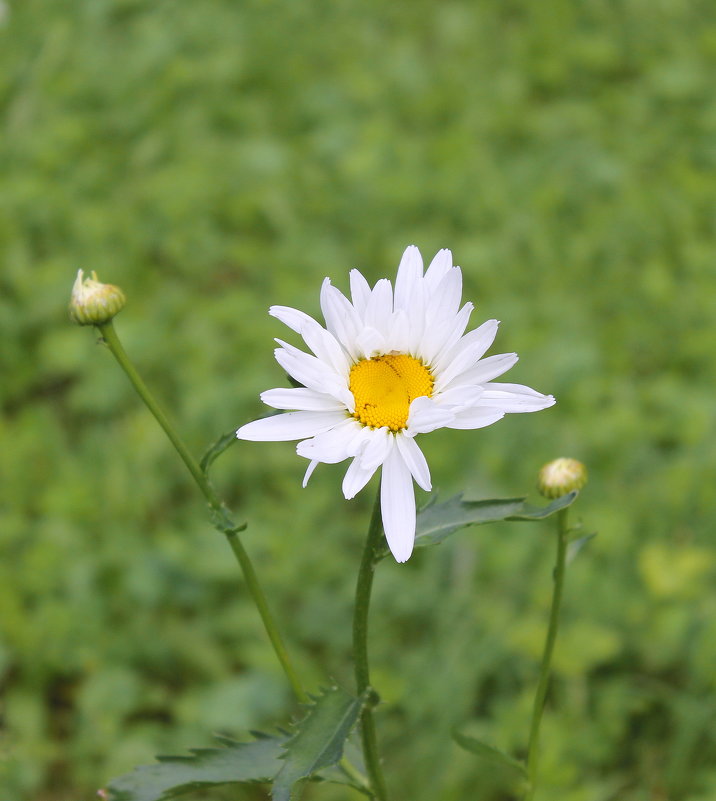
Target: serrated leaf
{"x": 505, "y": 771}
{"x": 336, "y": 775}
{"x": 239, "y": 763}
{"x": 215, "y": 450}
{"x": 318, "y": 741}
{"x": 437, "y": 521}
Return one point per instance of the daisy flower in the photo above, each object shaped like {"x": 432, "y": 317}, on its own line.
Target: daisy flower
{"x": 391, "y": 363}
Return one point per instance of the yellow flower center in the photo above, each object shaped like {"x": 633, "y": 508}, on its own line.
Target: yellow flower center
{"x": 384, "y": 387}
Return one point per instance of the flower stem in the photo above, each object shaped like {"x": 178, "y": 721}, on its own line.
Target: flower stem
{"x": 215, "y": 503}
{"x": 542, "y": 685}
{"x": 364, "y": 586}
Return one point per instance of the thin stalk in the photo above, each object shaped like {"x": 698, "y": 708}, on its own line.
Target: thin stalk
{"x": 112, "y": 341}
{"x": 543, "y": 683}
{"x": 364, "y": 586}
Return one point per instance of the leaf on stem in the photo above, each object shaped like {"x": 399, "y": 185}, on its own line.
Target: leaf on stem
{"x": 317, "y": 742}
{"x": 215, "y": 450}
{"x": 238, "y": 763}
{"x": 437, "y": 521}
{"x": 505, "y": 772}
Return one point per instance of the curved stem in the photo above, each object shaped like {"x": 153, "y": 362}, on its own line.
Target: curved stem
{"x": 543, "y": 683}
{"x": 217, "y": 506}
{"x": 364, "y": 586}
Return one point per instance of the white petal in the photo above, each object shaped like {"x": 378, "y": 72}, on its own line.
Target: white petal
{"x": 379, "y": 311}
{"x": 330, "y": 447}
{"x": 444, "y": 301}
{"x": 397, "y": 503}
{"x": 370, "y": 342}
{"x": 444, "y": 334}
{"x": 515, "y": 398}
{"x": 487, "y": 369}
{"x": 464, "y": 354}
{"x": 341, "y": 318}
{"x": 325, "y": 346}
{"x": 376, "y": 448}
{"x": 300, "y": 398}
{"x": 313, "y": 373}
{"x": 415, "y": 460}
{"x": 355, "y": 479}
{"x": 360, "y": 291}
{"x": 409, "y": 280}
{"x": 400, "y": 337}
{"x": 459, "y": 397}
{"x": 476, "y": 418}
{"x": 309, "y": 472}
{"x": 437, "y": 270}
{"x": 425, "y": 416}
{"x": 293, "y": 318}
{"x": 291, "y": 425}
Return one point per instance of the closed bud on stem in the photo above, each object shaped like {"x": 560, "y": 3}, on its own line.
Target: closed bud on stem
{"x": 94, "y": 303}
{"x": 561, "y": 476}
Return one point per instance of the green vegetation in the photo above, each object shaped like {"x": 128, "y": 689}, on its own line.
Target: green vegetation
{"x": 214, "y": 158}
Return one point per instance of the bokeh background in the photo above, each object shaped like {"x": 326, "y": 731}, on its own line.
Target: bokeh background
{"x": 216, "y": 157}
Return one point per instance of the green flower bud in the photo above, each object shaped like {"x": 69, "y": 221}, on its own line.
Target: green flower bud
{"x": 93, "y": 303}
{"x": 561, "y": 476}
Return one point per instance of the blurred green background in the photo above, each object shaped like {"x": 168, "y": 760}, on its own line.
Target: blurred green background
{"x": 216, "y": 157}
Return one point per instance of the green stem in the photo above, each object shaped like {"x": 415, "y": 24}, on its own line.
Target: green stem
{"x": 217, "y": 506}
{"x": 364, "y": 586}
{"x": 542, "y": 685}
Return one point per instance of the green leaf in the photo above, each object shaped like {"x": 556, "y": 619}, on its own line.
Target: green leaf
{"x": 318, "y": 741}
{"x": 437, "y": 521}
{"x": 215, "y": 450}
{"x": 256, "y": 761}
{"x": 505, "y": 772}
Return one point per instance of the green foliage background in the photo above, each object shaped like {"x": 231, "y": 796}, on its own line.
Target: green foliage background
{"x": 216, "y": 157}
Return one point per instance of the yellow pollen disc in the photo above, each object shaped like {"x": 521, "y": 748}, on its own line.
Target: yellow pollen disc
{"x": 385, "y": 386}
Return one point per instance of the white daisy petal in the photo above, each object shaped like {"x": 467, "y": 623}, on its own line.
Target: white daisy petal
{"x": 437, "y": 270}
{"x": 293, "y": 318}
{"x": 397, "y": 503}
{"x": 444, "y": 334}
{"x": 312, "y": 373}
{"x": 464, "y": 354}
{"x": 360, "y": 291}
{"x": 341, "y": 318}
{"x": 515, "y": 398}
{"x": 332, "y": 446}
{"x": 458, "y": 398}
{"x": 487, "y": 369}
{"x": 376, "y": 448}
{"x": 355, "y": 479}
{"x": 425, "y": 416}
{"x": 325, "y": 346}
{"x": 291, "y": 425}
{"x": 300, "y": 399}
{"x": 371, "y": 342}
{"x": 444, "y": 301}
{"x": 309, "y": 472}
{"x": 415, "y": 460}
{"x": 379, "y": 311}
{"x": 409, "y": 279}
{"x": 476, "y": 418}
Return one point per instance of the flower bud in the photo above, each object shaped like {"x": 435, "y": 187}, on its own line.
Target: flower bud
{"x": 94, "y": 303}
{"x": 561, "y": 476}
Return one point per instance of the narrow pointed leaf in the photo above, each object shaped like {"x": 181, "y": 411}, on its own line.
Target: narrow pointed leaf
{"x": 505, "y": 772}
{"x": 173, "y": 776}
{"x": 215, "y": 450}
{"x": 437, "y": 521}
{"x": 318, "y": 741}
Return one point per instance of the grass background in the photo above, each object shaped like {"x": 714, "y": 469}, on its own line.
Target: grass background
{"x": 214, "y": 158}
